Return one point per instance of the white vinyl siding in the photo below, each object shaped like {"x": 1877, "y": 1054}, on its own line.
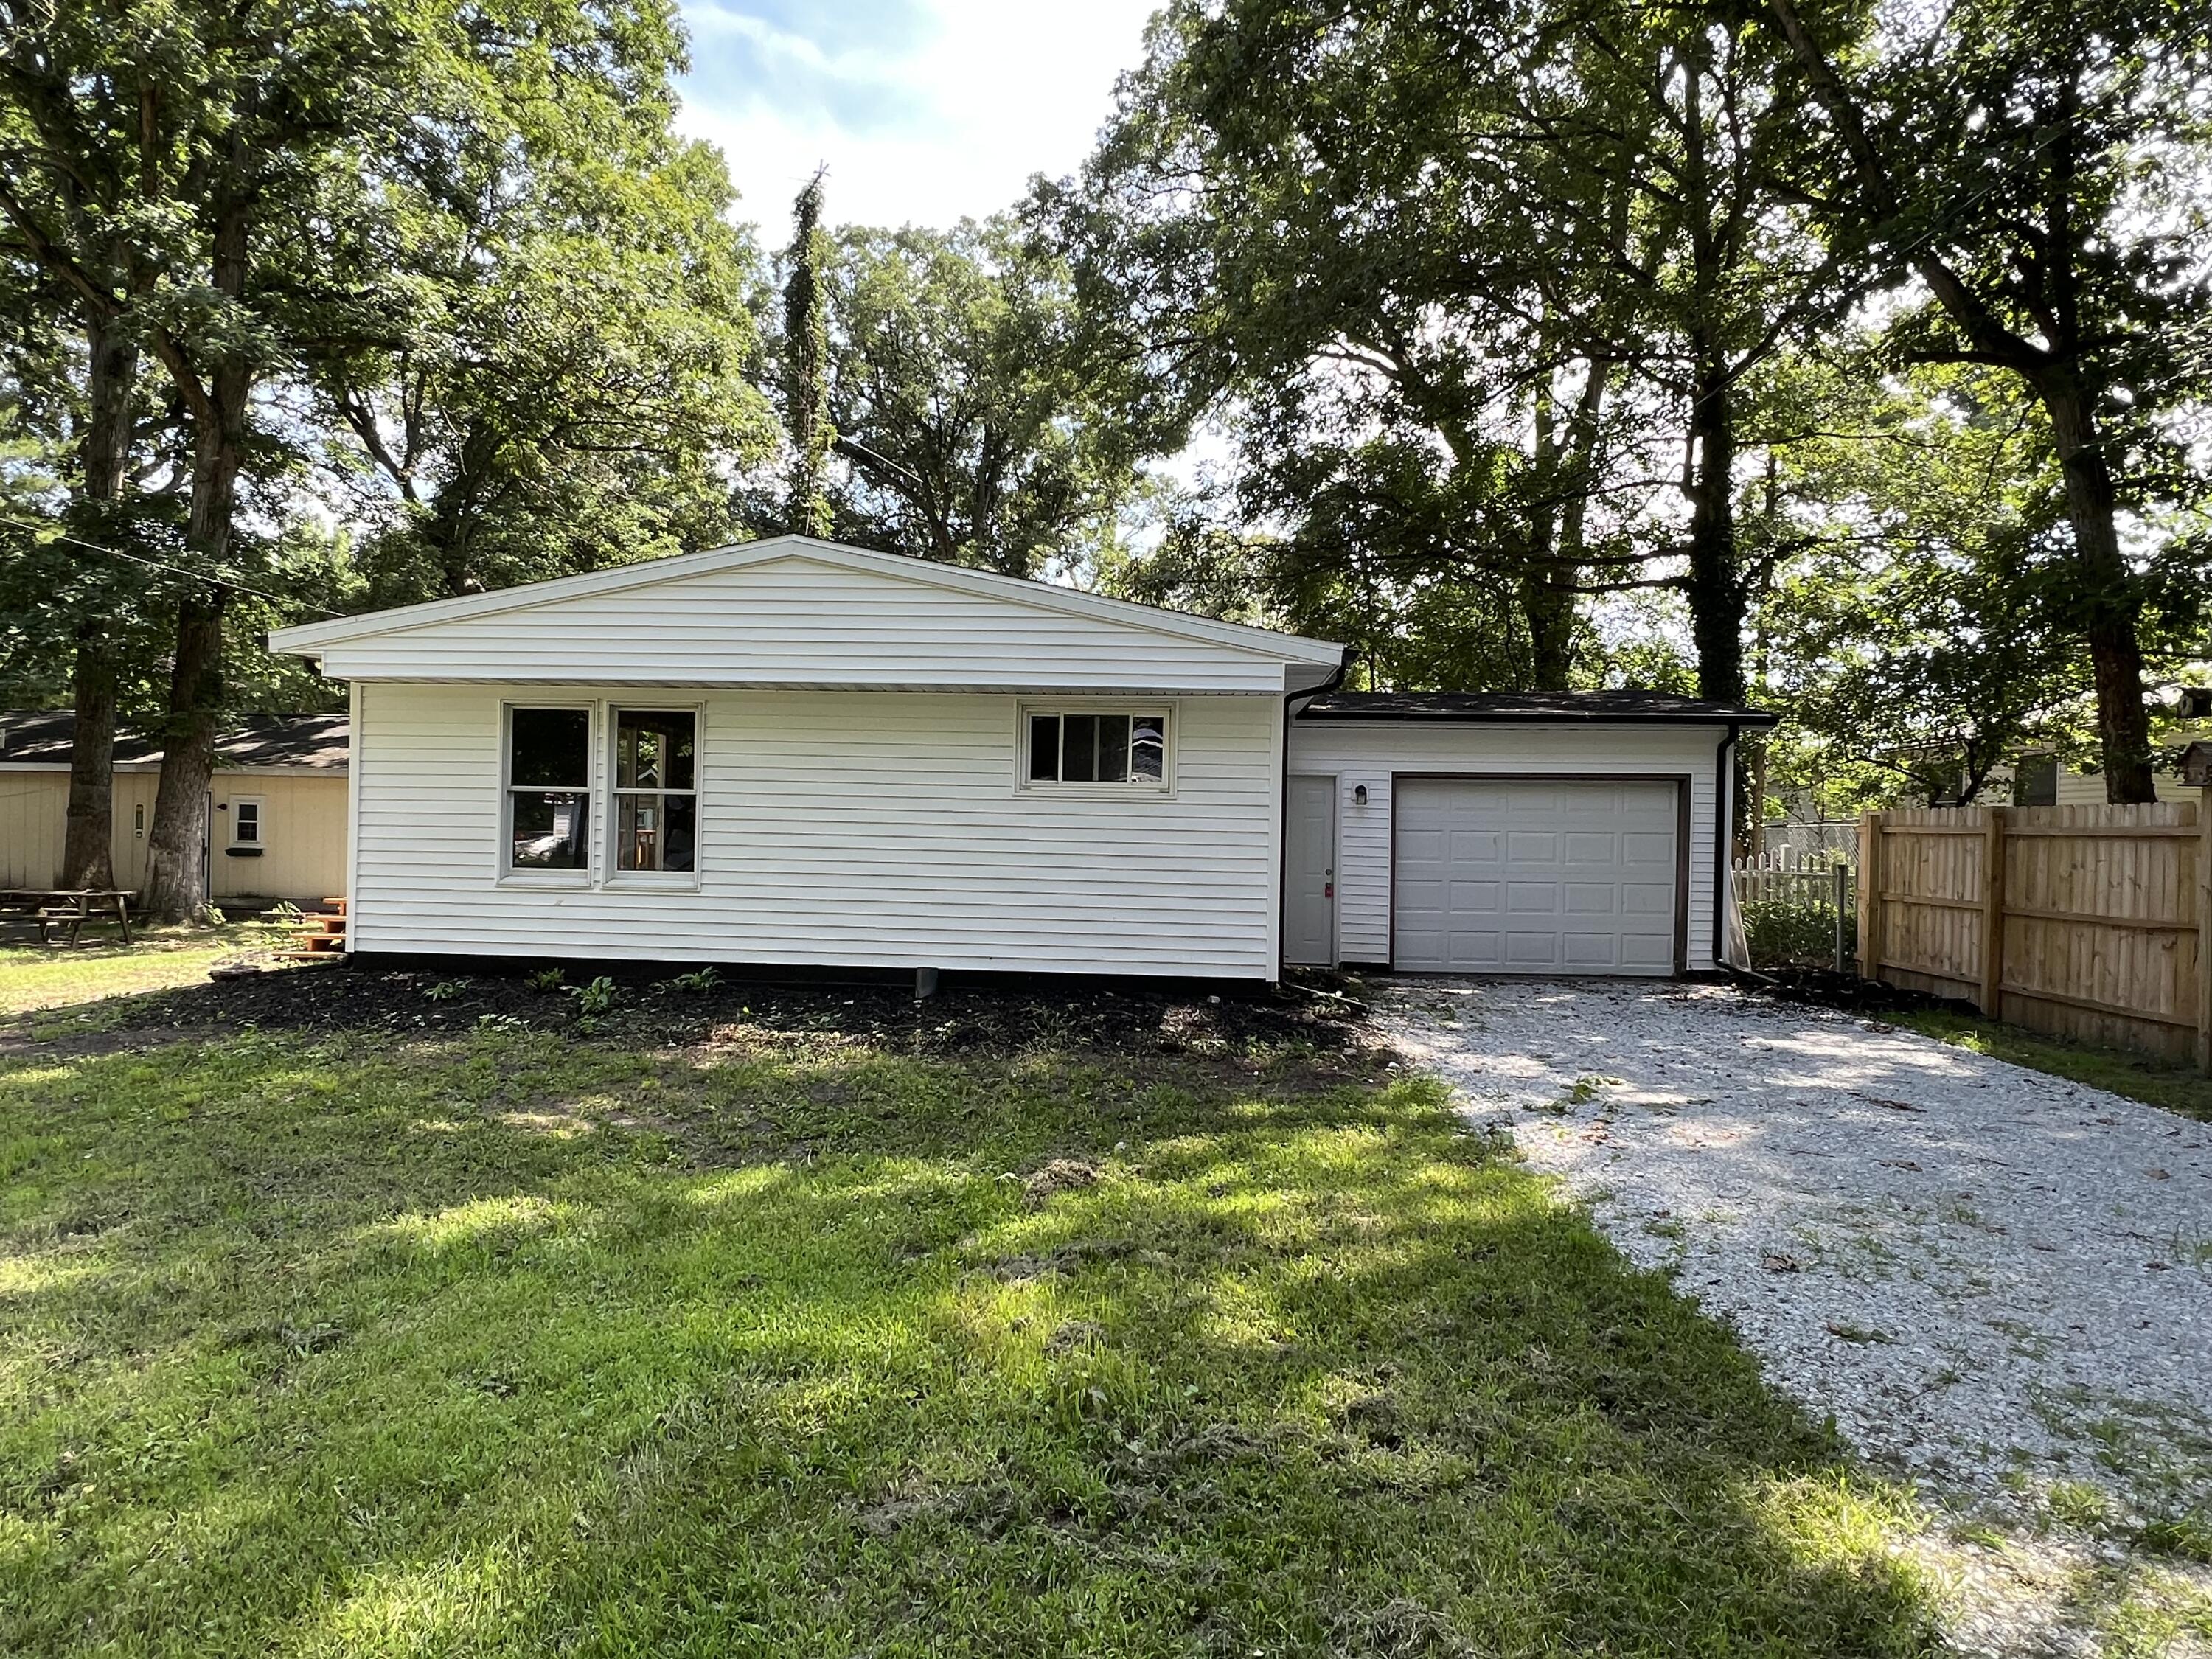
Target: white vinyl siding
{"x": 796, "y": 620}
{"x": 842, "y": 827}
{"x": 1368, "y": 752}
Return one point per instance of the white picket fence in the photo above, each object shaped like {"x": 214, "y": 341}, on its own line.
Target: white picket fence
{"x": 1822, "y": 891}
{"x": 1792, "y": 845}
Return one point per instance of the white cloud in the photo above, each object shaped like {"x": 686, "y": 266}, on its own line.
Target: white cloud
{"x": 925, "y": 111}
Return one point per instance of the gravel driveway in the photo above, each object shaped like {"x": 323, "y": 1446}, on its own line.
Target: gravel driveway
{"x": 1999, "y": 1282}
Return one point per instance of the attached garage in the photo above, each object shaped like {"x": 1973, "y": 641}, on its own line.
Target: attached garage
{"x": 1509, "y": 833}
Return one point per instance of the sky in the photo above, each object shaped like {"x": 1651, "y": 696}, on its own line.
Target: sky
{"x": 925, "y": 111}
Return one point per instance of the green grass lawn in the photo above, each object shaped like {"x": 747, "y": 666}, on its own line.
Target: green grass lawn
{"x": 40, "y": 976}
{"x": 497, "y": 1340}
{"x": 2179, "y": 1088}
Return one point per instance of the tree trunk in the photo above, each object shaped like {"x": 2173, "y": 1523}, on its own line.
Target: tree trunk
{"x": 176, "y": 885}
{"x": 88, "y": 847}
{"x": 1715, "y": 584}
{"x": 1547, "y": 603}
{"x": 176, "y": 888}
{"x": 2112, "y": 609}
{"x": 1719, "y": 601}
{"x": 88, "y": 855}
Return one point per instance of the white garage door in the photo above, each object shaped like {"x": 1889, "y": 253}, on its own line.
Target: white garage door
{"x": 1534, "y": 875}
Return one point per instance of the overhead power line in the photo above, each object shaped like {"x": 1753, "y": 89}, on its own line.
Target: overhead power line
{"x": 45, "y": 533}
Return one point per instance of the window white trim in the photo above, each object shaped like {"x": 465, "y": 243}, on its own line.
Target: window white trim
{"x": 664, "y": 881}
{"x": 507, "y": 874}
{"x": 243, "y": 807}
{"x": 1167, "y": 710}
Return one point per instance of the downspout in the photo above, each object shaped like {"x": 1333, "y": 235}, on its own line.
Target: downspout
{"x": 1723, "y": 789}
{"x": 1283, "y": 805}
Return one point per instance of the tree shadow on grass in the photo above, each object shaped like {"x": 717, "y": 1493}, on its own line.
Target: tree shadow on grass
{"x": 510, "y": 1344}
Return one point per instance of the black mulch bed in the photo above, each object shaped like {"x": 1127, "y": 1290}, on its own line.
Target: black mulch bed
{"x": 967, "y": 1016}
{"x": 1824, "y": 988}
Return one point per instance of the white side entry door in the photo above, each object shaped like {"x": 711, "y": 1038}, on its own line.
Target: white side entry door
{"x": 1310, "y": 874}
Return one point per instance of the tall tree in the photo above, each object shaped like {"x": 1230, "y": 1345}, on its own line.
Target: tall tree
{"x": 970, "y": 432}
{"x": 245, "y": 147}
{"x": 1467, "y": 278}
{"x": 93, "y": 382}
{"x": 806, "y": 366}
{"x": 2030, "y": 166}
{"x": 1919, "y": 638}
{"x": 567, "y": 385}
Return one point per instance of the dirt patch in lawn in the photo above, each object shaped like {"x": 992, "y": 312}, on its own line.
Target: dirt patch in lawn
{"x": 981, "y": 1016}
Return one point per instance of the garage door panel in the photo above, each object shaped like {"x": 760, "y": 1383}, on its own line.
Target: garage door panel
{"x": 1591, "y": 846}
{"x": 1476, "y": 898}
{"x": 1588, "y": 952}
{"x": 1425, "y": 901}
{"x": 1424, "y": 845}
{"x": 1549, "y": 876}
{"x": 1591, "y": 898}
{"x": 1525, "y": 846}
{"x": 1475, "y": 847}
{"x": 1531, "y": 897}
{"x": 1525, "y": 949}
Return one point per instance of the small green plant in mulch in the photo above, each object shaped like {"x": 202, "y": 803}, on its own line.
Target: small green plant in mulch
{"x": 595, "y": 998}
{"x": 445, "y": 990}
{"x": 698, "y": 982}
{"x": 548, "y": 980}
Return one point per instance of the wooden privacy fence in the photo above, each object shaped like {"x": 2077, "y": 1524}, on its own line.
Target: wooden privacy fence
{"x": 2090, "y": 921}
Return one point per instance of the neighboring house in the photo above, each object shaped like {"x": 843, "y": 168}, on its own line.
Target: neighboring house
{"x": 794, "y": 752}
{"x": 278, "y": 806}
{"x": 2046, "y": 780}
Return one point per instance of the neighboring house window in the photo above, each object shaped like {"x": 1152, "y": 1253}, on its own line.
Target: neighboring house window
{"x": 1127, "y": 748}
{"x": 2035, "y": 781}
{"x": 246, "y": 823}
{"x": 2197, "y": 703}
{"x": 656, "y": 800}
{"x": 549, "y": 781}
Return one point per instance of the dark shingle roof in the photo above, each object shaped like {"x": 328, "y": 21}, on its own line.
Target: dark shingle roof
{"x": 41, "y": 738}
{"x": 1595, "y": 706}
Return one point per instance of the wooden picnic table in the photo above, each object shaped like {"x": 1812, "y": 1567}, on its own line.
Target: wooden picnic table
{"x": 70, "y": 907}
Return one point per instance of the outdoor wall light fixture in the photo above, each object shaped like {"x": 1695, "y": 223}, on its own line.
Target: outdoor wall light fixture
{"x": 1359, "y": 795}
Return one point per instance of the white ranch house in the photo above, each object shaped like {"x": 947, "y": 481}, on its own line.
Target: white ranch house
{"x": 796, "y": 753}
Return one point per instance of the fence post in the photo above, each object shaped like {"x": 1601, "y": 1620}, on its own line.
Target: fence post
{"x": 1840, "y": 873}
{"x": 1869, "y": 895}
{"x": 2204, "y": 929}
{"x": 1993, "y": 912}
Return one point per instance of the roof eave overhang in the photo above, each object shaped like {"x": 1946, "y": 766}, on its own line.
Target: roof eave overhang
{"x": 314, "y": 639}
